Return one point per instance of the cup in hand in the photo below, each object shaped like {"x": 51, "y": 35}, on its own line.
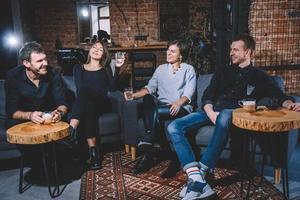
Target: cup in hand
{"x": 248, "y": 104}
{"x": 129, "y": 93}
{"x": 120, "y": 55}
{"x": 47, "y": 116}
{"x": 120, "y": 58}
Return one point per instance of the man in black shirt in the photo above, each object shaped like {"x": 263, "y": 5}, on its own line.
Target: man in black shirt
{"x": 228, "y": 86}
{"x": 31, "y": 89}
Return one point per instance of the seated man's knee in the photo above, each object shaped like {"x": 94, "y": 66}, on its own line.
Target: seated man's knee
{"x": 174, "y": 128}
{"x": 225, "y": 117}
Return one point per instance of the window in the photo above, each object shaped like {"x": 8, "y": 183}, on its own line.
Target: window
{"x": 91, "y": 18}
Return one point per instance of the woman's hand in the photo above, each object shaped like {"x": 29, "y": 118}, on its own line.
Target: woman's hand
{"x": 120, "y": 58}
{"x": 129, "y": 96}
{"x": 56, "y": 116}
{"x": 175, "y": 107}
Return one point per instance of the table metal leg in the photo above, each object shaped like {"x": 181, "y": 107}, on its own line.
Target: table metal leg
{"x": 244, "y": 162}
{"x": 22, "y": 188}
{"x": 56, "y": 189}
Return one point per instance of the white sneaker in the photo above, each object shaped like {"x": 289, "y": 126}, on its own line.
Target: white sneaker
{"x": 183, "y": 190}
{"x": 197, "y": 190}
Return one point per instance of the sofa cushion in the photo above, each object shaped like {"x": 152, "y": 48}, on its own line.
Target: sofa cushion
{"x": 7, "y": 150}
{"x": 202, "y": 83}
{"x": 204, "y": 135}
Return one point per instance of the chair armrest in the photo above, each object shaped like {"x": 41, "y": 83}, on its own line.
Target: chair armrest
{"x": 117, "y": 99}
{"x": 130, "y": 122}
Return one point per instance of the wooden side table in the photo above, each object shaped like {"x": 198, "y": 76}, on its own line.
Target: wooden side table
{"x": 39, "y": 134}
{"x": 264, "y": 121}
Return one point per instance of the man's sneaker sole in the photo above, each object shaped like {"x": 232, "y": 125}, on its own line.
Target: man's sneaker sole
{"x": 145, "y": 146}
{"x": 207, "y": 192}
{"x": 183, "y": 191}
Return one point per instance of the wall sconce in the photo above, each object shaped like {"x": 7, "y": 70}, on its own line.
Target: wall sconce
{"x": 84, "y": 12}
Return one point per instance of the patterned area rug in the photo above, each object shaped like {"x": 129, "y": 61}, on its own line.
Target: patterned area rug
{"x": 115, "y": 181}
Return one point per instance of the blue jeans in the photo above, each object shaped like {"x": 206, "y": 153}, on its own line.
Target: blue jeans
{"x": 180, "y": 127}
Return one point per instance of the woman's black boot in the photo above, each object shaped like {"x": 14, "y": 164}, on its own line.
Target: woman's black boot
{"x": 94, "y": 158}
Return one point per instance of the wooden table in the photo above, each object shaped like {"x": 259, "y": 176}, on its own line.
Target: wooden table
{"x": 29, "y": 133}
{"x": 265, "y": 121}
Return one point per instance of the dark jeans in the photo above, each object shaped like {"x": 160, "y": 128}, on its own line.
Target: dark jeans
{"x": 153, "y": 113}
{"x": 87, "y": 108}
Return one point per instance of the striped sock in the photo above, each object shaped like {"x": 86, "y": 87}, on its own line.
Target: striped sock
{"x": 195, "y": 174}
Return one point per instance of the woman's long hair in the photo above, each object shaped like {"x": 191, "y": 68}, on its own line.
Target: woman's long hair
{"x": 105, "y": 59}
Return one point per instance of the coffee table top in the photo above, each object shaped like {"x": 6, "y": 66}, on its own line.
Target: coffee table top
{"x": 265, "y": 120}
{"x": 31, "y": 133}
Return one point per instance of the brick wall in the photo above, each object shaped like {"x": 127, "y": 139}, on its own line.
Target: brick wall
{"x": 48, "y": 19}
{"x": 276, "y": 29}
{"x": 44, "y": 20}
{"x": 128, "y": 18}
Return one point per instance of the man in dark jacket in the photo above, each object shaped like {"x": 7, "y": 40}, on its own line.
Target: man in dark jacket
{"x": 32, "y": 89}
{"x": 228, "y": 86}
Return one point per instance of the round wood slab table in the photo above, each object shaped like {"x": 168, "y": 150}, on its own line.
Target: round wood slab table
{"x": 279, "y": 121}
{"x": 29, "y": 133}
{"x": 265, "y": 120}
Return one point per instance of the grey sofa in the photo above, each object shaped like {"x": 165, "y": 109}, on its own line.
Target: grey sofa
{"x": 7, "y": 150}
{"x": 134, "y": 125}
{"x": 110, "y": 124}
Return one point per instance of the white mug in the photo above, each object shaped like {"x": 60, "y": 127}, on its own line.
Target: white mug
{"x": 248, "y": 104}
{"x": 47, "y": 116}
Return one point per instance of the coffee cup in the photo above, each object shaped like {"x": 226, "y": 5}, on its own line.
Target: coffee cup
{"x": 47, "y": 116}
{"x": 248, "y": 104}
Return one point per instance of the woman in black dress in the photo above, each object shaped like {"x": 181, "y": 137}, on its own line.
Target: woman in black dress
{"x": 93, "y": 80}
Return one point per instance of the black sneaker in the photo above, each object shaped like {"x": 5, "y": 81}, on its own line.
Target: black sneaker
{"x": 145, "y": 146}
{"x": 145, "y": 163}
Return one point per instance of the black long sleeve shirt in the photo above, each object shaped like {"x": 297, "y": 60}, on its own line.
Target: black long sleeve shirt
{"x": 230, "y": 85}
{"x": 23, "y": 95}
{"x": 100, "y": 81}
